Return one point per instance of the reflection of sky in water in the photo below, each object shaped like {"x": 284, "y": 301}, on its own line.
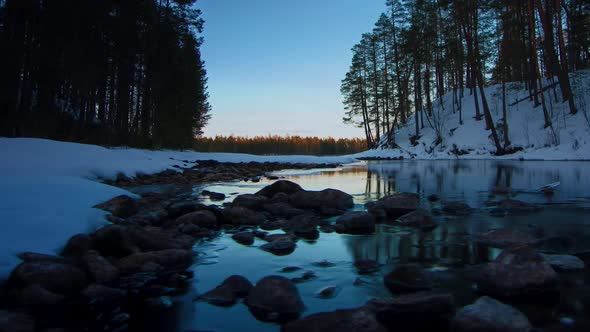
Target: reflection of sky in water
{"x": 448, "y": 251}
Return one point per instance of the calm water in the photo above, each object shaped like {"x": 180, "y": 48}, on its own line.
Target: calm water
{"x": 448, "y": 251}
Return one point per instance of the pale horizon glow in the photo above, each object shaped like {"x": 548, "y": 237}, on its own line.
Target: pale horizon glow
{"x": 275, "y": 67}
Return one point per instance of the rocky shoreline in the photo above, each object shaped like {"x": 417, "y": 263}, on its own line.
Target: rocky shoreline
{"x": 104, "y": 280}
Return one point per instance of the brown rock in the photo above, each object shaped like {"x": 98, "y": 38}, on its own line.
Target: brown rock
{"x": 99, "y": 267}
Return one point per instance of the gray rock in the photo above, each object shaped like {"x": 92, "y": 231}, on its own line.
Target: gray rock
{"x": 121, "y": 206}
{"x": 489, "y": 315}
{"x": 275, "y": 296}
{"x": 281, "y": 186}
{"x": 356, "y": 223}
{"x": 54, "y": 276}
{"x": 564, "y": 263}
{"x": 394, "y": 206}
{"x": 517, "y": 272}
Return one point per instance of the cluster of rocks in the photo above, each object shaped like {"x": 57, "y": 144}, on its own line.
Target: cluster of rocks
{"x": 209, "y": 171}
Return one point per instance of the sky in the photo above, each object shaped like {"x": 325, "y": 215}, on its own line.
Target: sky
{"x": 275, "y": 66}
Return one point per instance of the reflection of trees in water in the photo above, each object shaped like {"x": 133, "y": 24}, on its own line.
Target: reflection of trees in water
{"x": 379, "y": 184}
{"x": 392, "y": 244}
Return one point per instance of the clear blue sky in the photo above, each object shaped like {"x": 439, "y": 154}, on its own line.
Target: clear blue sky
{"x": 275, "y": 66}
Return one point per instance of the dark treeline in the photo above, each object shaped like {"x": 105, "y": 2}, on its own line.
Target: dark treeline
{"x": 420, "y": 50}
{"x": 271, "y": 145}
{"x": 102, "y": 71}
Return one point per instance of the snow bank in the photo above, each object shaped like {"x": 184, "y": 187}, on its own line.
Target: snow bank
{"x": 48, "y": 188}
{"x": 569, "y": 139}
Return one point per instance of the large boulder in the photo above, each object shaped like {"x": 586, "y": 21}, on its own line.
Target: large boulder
{"x": 417, "y": 219}
{"x": 505, "y": 237}
{"x": 421, "y": 311}
{"x": 237, "y": 215}
{"x": 169, "y": 258}
{"x": 517, "y": 272}
{"x": 113, "y": 240}
{"x": 354, "y": 320}
{"x": 356, "y": 223}
{"x": 489, "y": 315}
{"x": 281, "y": 186}
{"x": 282, "y": 209}
{"x": 303, "y": 226}
{"x": 121, "y": 206}
{"x": 327, "y": 201}
{"x": 394, "y": 206}
{"x": 56, "y": 277}
{"x": 406, "y": 278}
{"x": 275, "y": 297}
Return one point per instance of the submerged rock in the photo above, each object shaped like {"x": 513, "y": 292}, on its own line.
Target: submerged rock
{"x": 354, "y": 320}
{"x": 517, "y": 272}
{"x": 327, "y": 292}
{"x": 274, "y": 298}
{"x": 487, "y": 314}
{"x": 394, "y": 206}
{"x": 356, "y": 223}
{"x": 407, "y": 278}
{"x": 245, "y": 238}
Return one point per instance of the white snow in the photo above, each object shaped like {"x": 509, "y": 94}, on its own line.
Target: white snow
{"x": 48, "y": 188}
{"x": 568, "y": 140}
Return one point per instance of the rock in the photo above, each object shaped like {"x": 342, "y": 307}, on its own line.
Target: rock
{"x": 221, "y": 296}
{"x": 433, "y": 198}
{"x": 279, "y": 198}
{"x": 152, "y": 217}
{"x": 407, "y": 278}
{"x": 306, "y": 276}
{"x": 16, "y": 322}
{"x": 213, "y": 195}
{"x": 513, "y": 206}
{"x": 99, "y": 268}
{"x": 272, "y": 237}
{"x": 456, "y": 208}
{"x": 159, "y": 303}
{"x": 356, "y": 223}
{"x": 517, "y": 272}
{"x": 155, "y": 238}
{"x": 245, "y": 238}
{"x": 243, "y": 216}
{"x": 100, "y": 294}
{"x": 564, "y": 263}
{"x": 113, "y": 240}
{"x": 303, "y": 226}
{"x": 169, "y": 259}
{"x": 35, "y": 294}
{"x": 239, "y": 285}
{"x": 250, "y": 201}
{"x": 327, "y": 292}
{"x": 418, "y": 219}
{"x": 201, "y": 219}
{"x": 421, "y": 311}
{"x": 284, "y": 210}
{"x": 54, "y": 276}
{"x": 280, "y": 247}
{"x": 505, "y": 237}
{"x": 121, "y": 206}
{"x": 487, "y": 314}
{"x": 77, "y": 245}
{"x": 327, "y": 201}
{"x": 366, "y": 266}
{"x": 394, "y": 206}
{"x": 271, "y": 225}
{"x": 289, "y": 269}
{"x": 281, "y": 186}
{"x": 274, "y": 297}
{"x": 354, "y": 320}
{"x": 177, "y": 209}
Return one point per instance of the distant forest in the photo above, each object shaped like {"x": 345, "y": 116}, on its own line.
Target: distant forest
{"x": 275, "y": 145}
{"x": 420, "y": 50}
{"x": 103, "y": 71}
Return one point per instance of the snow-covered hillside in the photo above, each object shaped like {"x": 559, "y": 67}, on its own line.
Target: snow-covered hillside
{"x": 568, "y": 139}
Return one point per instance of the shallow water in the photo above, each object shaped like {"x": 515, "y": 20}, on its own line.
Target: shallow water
{"x": 448, "y": 251}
